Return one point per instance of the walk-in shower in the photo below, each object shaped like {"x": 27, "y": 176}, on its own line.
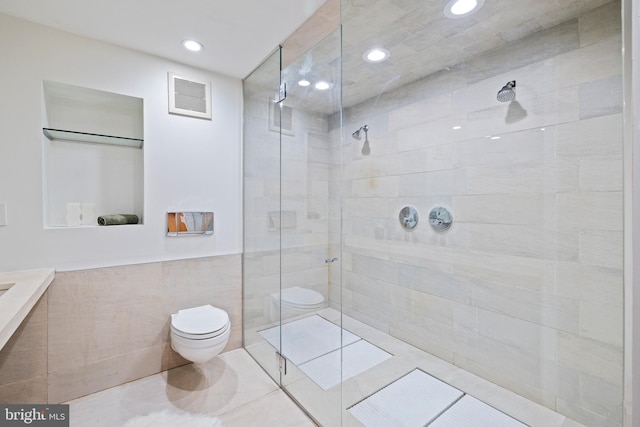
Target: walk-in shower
{"x": 513, "y": 311}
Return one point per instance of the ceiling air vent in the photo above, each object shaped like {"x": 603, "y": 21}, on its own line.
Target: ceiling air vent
{"x": 189, "y": 98}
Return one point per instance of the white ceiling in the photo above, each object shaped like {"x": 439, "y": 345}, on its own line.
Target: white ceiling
{"x": 237, "y": 34}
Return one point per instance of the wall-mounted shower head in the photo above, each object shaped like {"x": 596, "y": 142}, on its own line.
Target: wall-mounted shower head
{"x": 507, "y": 93}
{"x": 356, "y": 134}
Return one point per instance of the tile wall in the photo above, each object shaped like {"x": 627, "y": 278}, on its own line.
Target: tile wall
{"x": 525, "y": 289}
{"x": 95, "y": 329}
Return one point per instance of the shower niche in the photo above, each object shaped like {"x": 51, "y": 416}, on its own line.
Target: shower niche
{"x": 92, "y": 143}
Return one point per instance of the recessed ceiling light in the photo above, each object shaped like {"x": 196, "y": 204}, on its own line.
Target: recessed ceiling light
{"x": 495, "y": 137}
{"x": 460, "y": 8}
{"x": 322, "y": 85}
{"x": 192, "y": 45}
{"x": 456, "y": 127}
{"x": 304, "y": 83}
{"x": 376, "y": 55}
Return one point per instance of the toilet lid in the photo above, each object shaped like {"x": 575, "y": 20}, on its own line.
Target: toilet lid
{"x": 301, "y": 297}
{"x": 199, "y": 320}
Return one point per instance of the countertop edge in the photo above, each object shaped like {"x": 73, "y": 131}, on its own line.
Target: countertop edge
{"x": 28, "y": 288}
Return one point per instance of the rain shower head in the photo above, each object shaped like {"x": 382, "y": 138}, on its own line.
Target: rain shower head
{"x": 507, "y": 93}
{"x": 356, "y": 134}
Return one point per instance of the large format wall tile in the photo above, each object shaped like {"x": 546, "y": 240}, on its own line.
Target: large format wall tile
{"x": 200, "y": 281}
{"x": 80, "y": 380}
{"x": 94, "y": 329}
{"x": 529, "y": 276}
{"x": 34, "y": 390}
{"x": 102, "y": 313}
{"x": 601, "y": 97}
{"x": 590, "y": 63}
{"x": 596, "y": 138}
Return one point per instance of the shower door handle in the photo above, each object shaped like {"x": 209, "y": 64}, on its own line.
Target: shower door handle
{"x": 330, "y": 260}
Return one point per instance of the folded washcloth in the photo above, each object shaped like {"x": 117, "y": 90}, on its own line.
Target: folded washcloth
{"x": 118, "y": 219}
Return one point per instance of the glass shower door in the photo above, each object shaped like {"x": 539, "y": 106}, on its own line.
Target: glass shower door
{"x": 312, "y": 337}
{"x": 292, "y": 234}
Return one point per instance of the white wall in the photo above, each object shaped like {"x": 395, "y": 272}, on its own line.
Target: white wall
{"x": 190, "y": 164}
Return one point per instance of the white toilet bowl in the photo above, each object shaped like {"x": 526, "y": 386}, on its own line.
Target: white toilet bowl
{"x": 294, "y": 301}
{"x": 199, "y": 334}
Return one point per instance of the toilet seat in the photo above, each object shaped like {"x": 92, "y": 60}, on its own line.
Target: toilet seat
{"x": 197, "y": 337}
{"x": 200, "y": 323}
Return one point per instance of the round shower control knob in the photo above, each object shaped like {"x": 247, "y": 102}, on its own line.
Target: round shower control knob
{"x": 408, "y": 217}
{"x": 440, "y": 218}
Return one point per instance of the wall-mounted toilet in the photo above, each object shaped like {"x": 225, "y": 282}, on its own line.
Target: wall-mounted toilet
{"x": 199, "y": 334}
{"x": 295, "y": 301}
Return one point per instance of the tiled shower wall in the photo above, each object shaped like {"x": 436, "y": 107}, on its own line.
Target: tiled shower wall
{"x": 525, "y": 289}
{"x": 95, "y": 329}
{"x": 286, "y": 189}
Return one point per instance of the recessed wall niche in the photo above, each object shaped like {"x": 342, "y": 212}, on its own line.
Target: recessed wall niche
{"x": 92, "y": 155}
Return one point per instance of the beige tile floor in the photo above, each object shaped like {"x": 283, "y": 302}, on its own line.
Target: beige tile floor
{"x": 232, "y": 387}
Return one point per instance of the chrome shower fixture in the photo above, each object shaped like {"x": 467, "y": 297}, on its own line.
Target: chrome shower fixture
{"x": 508, "y": 92}
{"x": 356, "y": 134}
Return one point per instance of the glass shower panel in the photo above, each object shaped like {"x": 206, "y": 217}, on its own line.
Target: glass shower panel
{"x": 510, "y": 119}
{"x": 261, "y": 258}
{"x": 312, "y": 337}
{"x": 292, "y": 238}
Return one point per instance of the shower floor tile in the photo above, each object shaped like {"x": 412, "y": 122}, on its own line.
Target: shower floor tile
{"x": 470, "y": 412}
{"x": 323, "y": 404}
{"x": 356, "y": 358}
{"x": 308, "y": 338}
{"x": 413, "y": 400}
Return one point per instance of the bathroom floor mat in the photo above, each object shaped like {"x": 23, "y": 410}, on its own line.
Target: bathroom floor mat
{"x": 356, "y": 358}
{"x": 308, "y": 338}
{"x": 416, "y": 399}
{"x": 470, "y": 412}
